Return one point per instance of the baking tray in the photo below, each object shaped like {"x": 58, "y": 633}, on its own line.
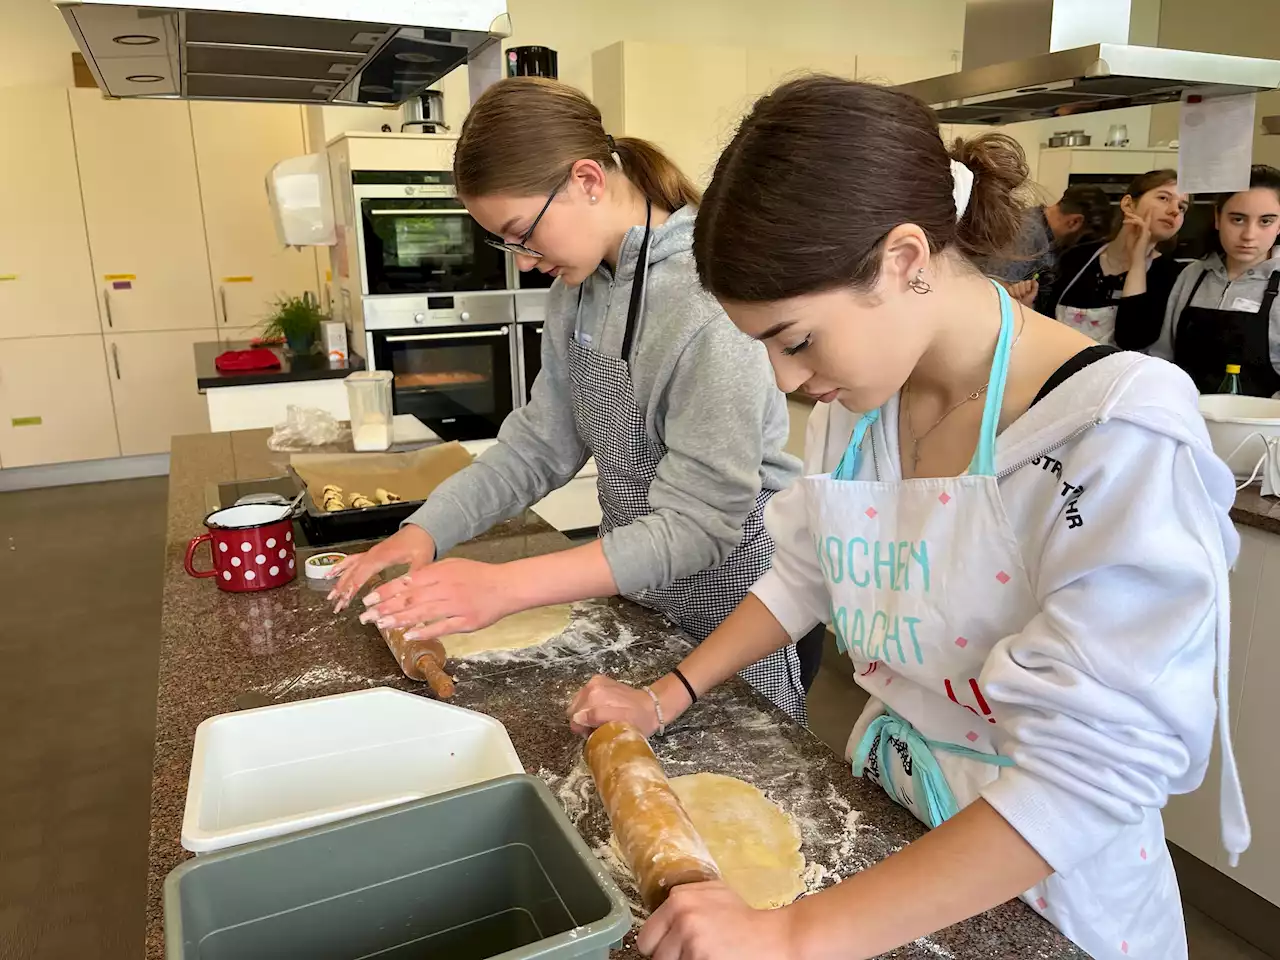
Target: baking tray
{"x": 418, "y": 472}
{"x": 325, "y": 528}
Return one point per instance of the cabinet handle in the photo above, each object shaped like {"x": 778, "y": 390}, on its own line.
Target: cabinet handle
{"x": 106, "y": 302}
{"x": 115, "y": 358}
{"x": 222, "y": 295}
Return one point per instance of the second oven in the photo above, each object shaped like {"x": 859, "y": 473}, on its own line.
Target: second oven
{"x": 455, "y": 375}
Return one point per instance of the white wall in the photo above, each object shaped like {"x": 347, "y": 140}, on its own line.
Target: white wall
{"x": 1245, "y": 28}
{"x": 35, "y": 45}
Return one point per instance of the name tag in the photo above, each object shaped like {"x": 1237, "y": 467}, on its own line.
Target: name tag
{"x": 1244, "y": 305}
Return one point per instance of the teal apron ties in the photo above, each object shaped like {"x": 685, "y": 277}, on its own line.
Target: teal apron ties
{"x": 927, "y": 781}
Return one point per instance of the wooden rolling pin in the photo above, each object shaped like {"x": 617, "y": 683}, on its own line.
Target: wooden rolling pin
{"x": 657, "y": 837}
{"x": 421, "y": 660}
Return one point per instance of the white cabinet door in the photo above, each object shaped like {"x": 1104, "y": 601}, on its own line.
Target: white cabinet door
{"x": 142, "y": 204}
{"x": 153, "y": 381}
{"x": 46, "y": 279}
{"x": 55, "y": 405}
{"x": 236, "y": 145}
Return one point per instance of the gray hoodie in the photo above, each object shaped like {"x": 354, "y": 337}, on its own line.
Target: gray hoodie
{"x": 1219, "y": 293}
{"x": 706, "y": 392}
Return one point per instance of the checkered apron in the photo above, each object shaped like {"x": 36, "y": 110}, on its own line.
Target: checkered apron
{"x": 608, "y": 419}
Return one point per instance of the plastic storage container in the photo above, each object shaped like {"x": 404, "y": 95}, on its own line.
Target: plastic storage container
{"x": 275, "y": 770}
{"x": 492, "y": 870}
{"x": 1233, "y": 422}
{"x": 369, "y": 397}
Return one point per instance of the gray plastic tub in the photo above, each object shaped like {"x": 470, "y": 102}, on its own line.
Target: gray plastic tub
{"x": 488, "y": 871}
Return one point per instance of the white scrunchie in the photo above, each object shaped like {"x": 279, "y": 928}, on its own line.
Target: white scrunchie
{"x": 961, "y": 186}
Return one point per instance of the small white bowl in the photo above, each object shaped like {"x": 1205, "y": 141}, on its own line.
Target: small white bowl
{"x": 1232, "y": 420}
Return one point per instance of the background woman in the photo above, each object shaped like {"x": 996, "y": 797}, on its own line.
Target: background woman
{"x": 1020, "y": 539}
{"x": 641, "y": 370}
{"x": 1115, "y": 292}
{"x": 1223, "y": 308}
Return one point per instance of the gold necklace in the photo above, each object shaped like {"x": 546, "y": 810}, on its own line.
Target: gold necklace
{"x": 906, "y": 401}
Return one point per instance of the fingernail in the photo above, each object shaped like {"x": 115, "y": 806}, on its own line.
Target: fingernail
{"x": 370, "y": 599}
{"x": 386, "y": 623}
{"x": 369, "y": 616}
{"x": 412, "y": 634}
{"x": 579, "y": 718}
{"x": 332, "y": 593}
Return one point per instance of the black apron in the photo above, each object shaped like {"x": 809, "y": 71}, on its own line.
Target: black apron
{"x": 1207, "y": 339}
{"x": 611, "y": 423}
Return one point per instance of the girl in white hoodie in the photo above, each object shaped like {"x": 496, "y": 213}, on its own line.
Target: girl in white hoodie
{"x": 1019, "y": 537}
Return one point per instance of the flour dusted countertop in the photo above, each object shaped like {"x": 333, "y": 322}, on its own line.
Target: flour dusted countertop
{"x": 220, "y": 651}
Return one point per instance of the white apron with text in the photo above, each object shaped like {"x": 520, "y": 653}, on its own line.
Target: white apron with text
{"x": 925, "y": 576}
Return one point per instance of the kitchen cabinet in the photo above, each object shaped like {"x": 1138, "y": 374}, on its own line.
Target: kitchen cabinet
{"x": 55, "y": 404}
{"x": 768, "y": 67}
{"x": 153, "y": 385}
{"x": 236, "y": 144}
{"x": 142, "y": 206}
{"x": 1191, "y": 820}
{"x": 686, "y": 99}
{"x": 46, "y": 279}
{"x": 1057, "y": 164}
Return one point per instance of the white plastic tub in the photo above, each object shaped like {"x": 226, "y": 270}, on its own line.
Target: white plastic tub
{"x": 274, "y": 770}
{"x": 1232, "y": 419}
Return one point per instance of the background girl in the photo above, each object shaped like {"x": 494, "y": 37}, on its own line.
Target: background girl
{"x": 1115, "y": 292}
{"x": 1224, "y": 308}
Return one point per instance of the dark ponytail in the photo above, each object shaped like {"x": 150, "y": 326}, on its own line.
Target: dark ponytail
{"x": 524, "y": 133}
{"x": 822, "y": 169}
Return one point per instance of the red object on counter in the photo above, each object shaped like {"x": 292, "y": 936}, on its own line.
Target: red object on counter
{"x": 252, "y": 547}
{"x": 239, "y": 360}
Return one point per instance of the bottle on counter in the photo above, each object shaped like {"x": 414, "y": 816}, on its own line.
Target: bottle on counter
{"x": 1231, "y": 382}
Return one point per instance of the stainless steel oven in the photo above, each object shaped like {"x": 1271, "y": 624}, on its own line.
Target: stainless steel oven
{"x": 452, "y": 358}
{"x": 416, "y": 237}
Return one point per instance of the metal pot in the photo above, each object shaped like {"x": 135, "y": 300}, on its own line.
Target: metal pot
{"x": 425, "y": 112}
{"x": 1070, "y": 138}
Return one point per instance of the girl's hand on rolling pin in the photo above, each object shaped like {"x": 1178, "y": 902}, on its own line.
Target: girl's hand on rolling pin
{"x": 410, "y": 544}
{"x": 452, "y": 596}
{"x": 603, "y": 700}
{"x": 708, "y": 921}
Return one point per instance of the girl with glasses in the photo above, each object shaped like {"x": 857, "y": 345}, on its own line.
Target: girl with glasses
{"x": 641, "y": 370}
{"x": 1020, "y": 538}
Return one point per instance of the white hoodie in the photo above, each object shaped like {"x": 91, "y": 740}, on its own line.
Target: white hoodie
{"x": 1120, "y": 508}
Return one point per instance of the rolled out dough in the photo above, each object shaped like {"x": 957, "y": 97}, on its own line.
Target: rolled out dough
{"x": 528, "y": 628}
{"x": 755, "y": 845}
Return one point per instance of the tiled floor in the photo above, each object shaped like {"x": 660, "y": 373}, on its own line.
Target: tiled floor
{"x": 80, "y": 569}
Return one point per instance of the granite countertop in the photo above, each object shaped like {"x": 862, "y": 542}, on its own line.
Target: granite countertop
{"x": 294, "y": 368}
{"x": 223, "y": 650}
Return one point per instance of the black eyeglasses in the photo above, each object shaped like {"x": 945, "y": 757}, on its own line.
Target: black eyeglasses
{"x": 519, "y": 248}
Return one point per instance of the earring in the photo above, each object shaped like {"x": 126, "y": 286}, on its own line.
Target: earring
{"x": 594, "y": 198}
{"x": 918, "y": 283}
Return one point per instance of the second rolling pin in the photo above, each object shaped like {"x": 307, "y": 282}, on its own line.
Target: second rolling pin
{"x": 657, "y": 837}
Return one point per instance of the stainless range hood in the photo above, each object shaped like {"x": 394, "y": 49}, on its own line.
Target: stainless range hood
{"x": 371, "y": 52}
{"x": 1032, "y": 59}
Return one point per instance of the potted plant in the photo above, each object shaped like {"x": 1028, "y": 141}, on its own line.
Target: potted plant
{"x": 297, "y": 320}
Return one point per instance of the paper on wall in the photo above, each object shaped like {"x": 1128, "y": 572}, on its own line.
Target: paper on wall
{"x": 1215, "y": 143}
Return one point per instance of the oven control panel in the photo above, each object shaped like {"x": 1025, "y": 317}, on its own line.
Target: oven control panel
{"x": 401, "y": 312}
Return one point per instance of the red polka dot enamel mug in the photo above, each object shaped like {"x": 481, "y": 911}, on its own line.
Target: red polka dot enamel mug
{"x": 252, "y": 548}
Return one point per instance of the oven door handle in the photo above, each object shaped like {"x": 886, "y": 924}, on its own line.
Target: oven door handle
{"x": 460, "y": 212}
{"x": 467, "y": 335}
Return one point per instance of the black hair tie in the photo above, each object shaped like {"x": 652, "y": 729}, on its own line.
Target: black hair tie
{"x": 610, "y": 143}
